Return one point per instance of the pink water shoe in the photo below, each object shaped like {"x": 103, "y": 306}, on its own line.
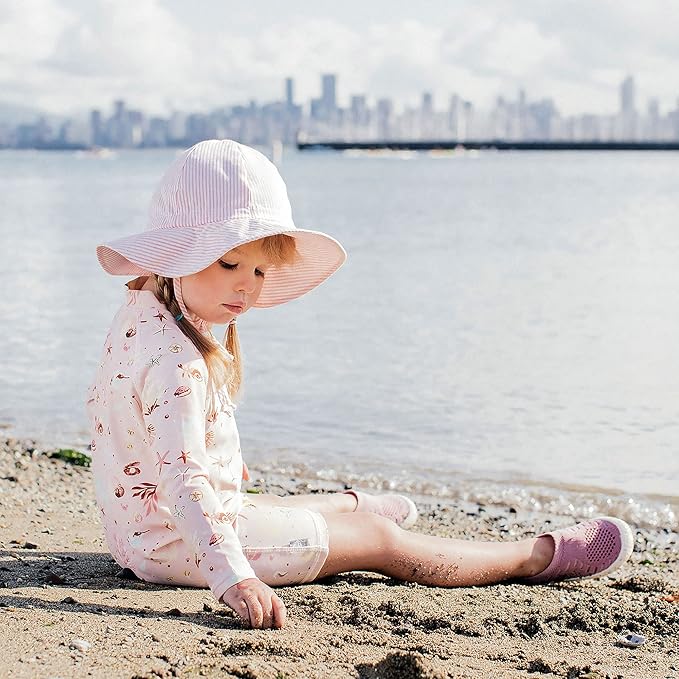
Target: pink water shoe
{"x": 397, "y": 508}
{"x": 588, "y": 549}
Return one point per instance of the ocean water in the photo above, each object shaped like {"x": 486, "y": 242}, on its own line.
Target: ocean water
{"x": 505, "y": 328}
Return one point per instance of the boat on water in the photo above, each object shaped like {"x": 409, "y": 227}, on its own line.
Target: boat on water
{"x": 96, "y": 152}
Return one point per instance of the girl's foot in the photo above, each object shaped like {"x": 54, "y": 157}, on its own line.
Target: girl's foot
{"x": 588, "y": 549}
{"x": 398, "y": 508}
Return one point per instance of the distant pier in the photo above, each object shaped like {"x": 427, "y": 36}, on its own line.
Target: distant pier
{"x": 491, "y": 145}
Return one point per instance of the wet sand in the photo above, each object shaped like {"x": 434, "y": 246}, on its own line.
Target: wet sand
{"x": 68, "y": 611}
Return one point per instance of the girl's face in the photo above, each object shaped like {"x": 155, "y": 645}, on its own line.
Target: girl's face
{"x": 229, "y": 286}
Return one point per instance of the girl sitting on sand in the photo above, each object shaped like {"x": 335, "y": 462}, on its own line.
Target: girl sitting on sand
{"x": 166, "y": 458}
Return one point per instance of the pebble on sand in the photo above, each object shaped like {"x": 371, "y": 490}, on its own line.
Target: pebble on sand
{"x": 80, "y": 645}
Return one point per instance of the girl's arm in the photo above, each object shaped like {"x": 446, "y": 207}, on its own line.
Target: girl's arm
{"x": 173, "y": 402}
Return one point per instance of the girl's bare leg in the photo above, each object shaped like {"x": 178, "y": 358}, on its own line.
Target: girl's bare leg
{"x": 323, "y": 503}
{"x": 372, "y": 543}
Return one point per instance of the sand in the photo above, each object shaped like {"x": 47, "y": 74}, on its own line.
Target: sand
{"x": 67, "y": 610}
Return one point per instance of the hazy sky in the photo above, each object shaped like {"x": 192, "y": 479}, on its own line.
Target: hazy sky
{"x": 67, "y": 55}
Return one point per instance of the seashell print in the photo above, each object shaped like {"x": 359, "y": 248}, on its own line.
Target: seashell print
{"x": 131, "y": 332}
{"x": 93, "y": 445}
{"x": 132, "y": 469}
{"x": 196, "y": 496}
{"x": 99, "y": 426}
{"x": 119, "y": 491}
{"x": 196, "y": 374}
{"x": 130, "y": 432}
{"x": 120, "y": 376}
{"x": 216, "y": 538}
{"x": 223, "y": 517}
{"x": 152, "y": 432}
{"x": 182, "y": 391}
{"x": 175, "y": 348}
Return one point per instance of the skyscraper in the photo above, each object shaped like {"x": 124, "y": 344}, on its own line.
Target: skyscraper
{"x": 328, "y": 96}
{"x": 289, "y": 92}
{"x": 628, "y": 113}
{"x": 627, "y": 96}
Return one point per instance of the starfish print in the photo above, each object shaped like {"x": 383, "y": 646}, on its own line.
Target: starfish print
{"x": 160, "y": 316}
{"x": 161, "y": 329}
{"x": 161, "y": 461}
{"x": 183, "y": 456}
{"x": 179, "y": 512}
{"x": 183, "y": 474}
{"x": 155, "y": 360}
{"x": 108, "y": 348}
{"x": 220, "y": 461}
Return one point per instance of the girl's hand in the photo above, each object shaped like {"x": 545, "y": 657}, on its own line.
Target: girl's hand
{"x": 256, "y": 603}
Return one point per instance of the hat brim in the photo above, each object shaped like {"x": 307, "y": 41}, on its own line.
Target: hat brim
{"x": 181, "y": 251}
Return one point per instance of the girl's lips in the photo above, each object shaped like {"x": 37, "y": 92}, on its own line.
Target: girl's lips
{"x": 234, "y": 308}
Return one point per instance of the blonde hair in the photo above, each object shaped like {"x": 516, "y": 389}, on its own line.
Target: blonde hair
{"x": 222, "y": 371}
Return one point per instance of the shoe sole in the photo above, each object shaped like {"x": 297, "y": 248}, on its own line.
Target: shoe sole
{"x": 626, "y": 546}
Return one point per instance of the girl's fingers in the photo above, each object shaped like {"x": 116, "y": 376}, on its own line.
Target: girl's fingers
{"x": 256, "y": 613}
{"x": 267, "y": 613}
{"x": 243, "y": 611}
{"x": 279, "y": 612}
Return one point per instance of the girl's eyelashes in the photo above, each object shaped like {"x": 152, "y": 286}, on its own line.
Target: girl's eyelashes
{"x": 230, "y": 267}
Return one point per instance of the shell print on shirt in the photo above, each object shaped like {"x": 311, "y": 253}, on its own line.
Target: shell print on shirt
{"x": 165, "y": 470}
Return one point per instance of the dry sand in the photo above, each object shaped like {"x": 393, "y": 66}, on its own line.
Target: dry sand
{"x": 67, "y": 611}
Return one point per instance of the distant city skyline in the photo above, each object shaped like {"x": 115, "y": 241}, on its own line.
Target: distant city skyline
{"x": 366, "y": 119}
{"x": 59, "y": 56}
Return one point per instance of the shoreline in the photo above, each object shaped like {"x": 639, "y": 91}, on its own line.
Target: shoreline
{"x": 59, "y": 585}
{"x": 525, "y": 494}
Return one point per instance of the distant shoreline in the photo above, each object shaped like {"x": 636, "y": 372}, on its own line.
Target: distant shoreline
{"x": 489, "y": 145}
{"x": 431, "y": 145}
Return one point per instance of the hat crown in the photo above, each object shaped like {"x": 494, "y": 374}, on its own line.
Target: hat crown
{"x": 218, "y": 181}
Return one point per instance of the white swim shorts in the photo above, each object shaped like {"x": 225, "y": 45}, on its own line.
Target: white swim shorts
{"x": 284, "y": 545}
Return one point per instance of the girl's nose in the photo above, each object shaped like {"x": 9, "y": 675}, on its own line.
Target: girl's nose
{"x": 247, "y": 284}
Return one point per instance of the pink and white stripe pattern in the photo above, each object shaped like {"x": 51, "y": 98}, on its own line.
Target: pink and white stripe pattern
{"x": 217, "y": 195}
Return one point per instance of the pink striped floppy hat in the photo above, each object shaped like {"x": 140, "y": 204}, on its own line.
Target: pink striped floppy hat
{"x": 215, "y": 196}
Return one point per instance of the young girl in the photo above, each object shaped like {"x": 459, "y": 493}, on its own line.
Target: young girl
{"x": 166, "y": 457}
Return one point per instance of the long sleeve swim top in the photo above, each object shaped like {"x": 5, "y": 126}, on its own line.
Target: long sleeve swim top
{"x": 165, "y": 469}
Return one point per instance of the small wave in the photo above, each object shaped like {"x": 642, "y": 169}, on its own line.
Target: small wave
{"x": 640, "y": 511}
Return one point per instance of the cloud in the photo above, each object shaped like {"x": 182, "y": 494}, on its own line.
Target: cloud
{"x": 156, "y": 53}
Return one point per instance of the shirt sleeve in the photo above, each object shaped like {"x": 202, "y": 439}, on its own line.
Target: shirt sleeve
{"x": 174, "y": 408}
